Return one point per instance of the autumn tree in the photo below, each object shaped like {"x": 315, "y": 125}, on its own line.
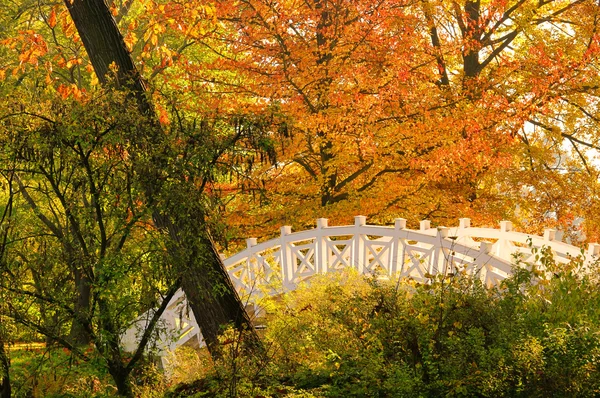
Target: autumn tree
{"x": 85, "y": 252}
{"x": 534, "y": 57}
{"x": 361, "y": 117}
{"x": 212, "y": 297}
{"x": 422, "y": 108}
{"x": 88, "y": 180}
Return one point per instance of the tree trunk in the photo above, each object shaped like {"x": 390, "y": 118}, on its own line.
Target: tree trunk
{"x": 79, "y": 335}
{"x": 212, "y": 297}
{"x": 121, "y": 379}
{"x": 211, "y": 294}
{"x": 111, "y": 351}
{"x": 5, "y": 390}
{"x": 472, "y": 33}
{"x": 104, "y": 45}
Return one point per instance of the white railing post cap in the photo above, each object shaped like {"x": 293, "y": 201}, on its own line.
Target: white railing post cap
{"x": 286, "y": 230}
{"x": 322, "y": 222}
{"x": 360, "y": 220}
{"x": 549, "y": 234}
{"x": 400, "y": 223}
{"x": 464, "y": 223}
{"x": 594, "y": 249}
{"x": 485, "y": 247}
{"x": 425, "y": 225}
{"x": 251, "y": 242}
{"x": 505, "y": 226}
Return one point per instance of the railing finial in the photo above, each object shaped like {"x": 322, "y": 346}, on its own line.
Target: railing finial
{"x": 505, "y": 226}
{"x": 286, "y": 230}
{"x": 549, "y": 234}
{"x": 400, "y": 223}
{"x": 442, "y": 232}
{"x": 360, "y": 220}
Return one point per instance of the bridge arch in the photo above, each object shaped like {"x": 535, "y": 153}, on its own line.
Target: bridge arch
{"x": 280, "y": 264}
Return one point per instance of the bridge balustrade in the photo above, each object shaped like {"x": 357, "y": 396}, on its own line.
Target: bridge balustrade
{"x": 280, "y": 264}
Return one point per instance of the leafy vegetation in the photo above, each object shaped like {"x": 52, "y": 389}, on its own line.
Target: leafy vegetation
{"x": 344, "y": 334}
{"x": 135, "y": 134}
{"x": 351, "y": 335}
{"x": 57, "y": 372}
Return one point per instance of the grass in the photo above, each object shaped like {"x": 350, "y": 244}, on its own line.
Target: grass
{"x": 40, "y": 371}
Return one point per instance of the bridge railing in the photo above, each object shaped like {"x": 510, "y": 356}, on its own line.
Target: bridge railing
{"x": 280, "y": 264}
{"x": 506, "y": 242}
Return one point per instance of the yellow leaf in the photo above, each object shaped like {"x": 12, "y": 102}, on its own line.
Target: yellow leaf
{"x": 130, "y": 40}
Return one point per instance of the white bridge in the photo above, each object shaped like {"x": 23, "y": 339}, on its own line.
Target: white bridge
{"x": 280, "y": 264}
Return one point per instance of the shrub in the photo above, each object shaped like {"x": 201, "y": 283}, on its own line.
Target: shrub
{"x": 346, "y": 335}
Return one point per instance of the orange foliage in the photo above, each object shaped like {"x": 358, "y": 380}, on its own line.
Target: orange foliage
{"x": 430, "y": 109}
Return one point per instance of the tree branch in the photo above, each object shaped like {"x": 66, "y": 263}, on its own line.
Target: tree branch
{"x": 150, "y": 326}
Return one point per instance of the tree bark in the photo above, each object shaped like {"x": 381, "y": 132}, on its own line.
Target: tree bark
{"x": 79, "y": 335}
{"x": 472, "y": 34}
{"x": 5, "y": 390}
{"x": 105, "y": 46}
{"x": 212, "y": 297}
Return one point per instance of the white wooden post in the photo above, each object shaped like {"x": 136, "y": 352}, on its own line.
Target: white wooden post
{"x": 440, "y": 258}
{"x": 505, "y": 226}
{"x": 485, "y": 248}
{"x": 504, "y": 249}
{"x": 462, "y": 235}
{"x": 359, "y": 246}
{"x": 593, "y": 251}
{"x": 287, "y": 268}
{"x": 251, "y": 268}
{"x": 321, "y": 250}
{"x": 483, "y": 258}
{"x": 397, "y": 247}
{"x": 549, "y": 234}
{"x": 424, "y": 226}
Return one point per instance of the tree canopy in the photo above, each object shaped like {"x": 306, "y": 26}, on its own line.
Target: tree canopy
{"x": 225, "y": 119}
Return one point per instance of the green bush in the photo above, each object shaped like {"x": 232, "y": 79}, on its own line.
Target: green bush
{"x": 346, "y": 335}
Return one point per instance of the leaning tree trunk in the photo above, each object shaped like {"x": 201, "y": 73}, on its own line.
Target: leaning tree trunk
{"x": 211, "y": 295}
